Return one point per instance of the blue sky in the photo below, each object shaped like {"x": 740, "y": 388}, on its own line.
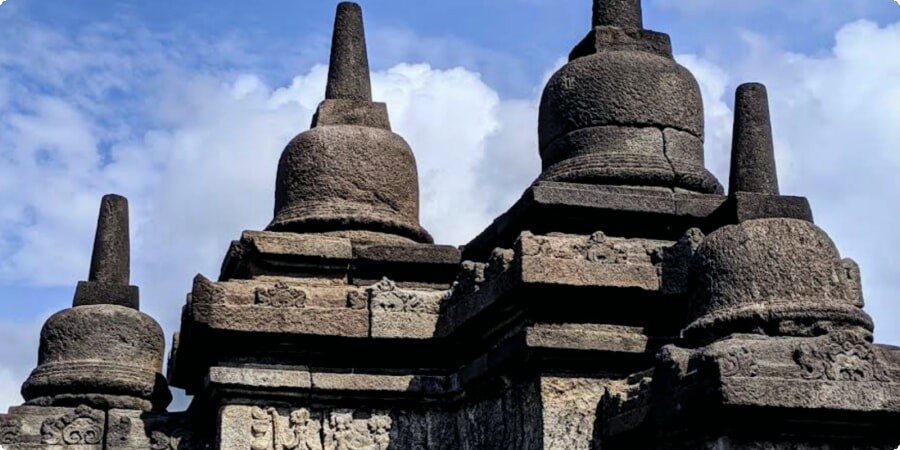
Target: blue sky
{"x": 185, "y": 106}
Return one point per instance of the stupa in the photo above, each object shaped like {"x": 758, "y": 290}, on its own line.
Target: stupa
{"x": 624, "y": 302}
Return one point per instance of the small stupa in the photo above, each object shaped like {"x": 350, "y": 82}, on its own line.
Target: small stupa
{"x": 349, "y": 172}
{"x": 103, "y": 352}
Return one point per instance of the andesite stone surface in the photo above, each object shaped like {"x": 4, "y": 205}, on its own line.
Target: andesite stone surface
{"x": 606, "y": 115}
{"x": 753, "y": 150}
{"x": 624, "y": 302}
{"x": 348, "y": 73}
{"x": 108, "y": 280}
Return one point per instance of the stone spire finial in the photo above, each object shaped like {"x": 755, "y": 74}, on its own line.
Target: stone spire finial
{"x": 348, "y": 72}
{"x": 110, "y": 262}
{"x": 618, "y": 13}
{"x": 108, "y": 280}
{"x": 753, "y": 151}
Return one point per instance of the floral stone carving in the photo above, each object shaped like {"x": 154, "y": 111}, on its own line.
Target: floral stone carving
{"x": 83, "y": 426}
{"x": 10, "y": 430}
{"x": 844, "y": 356}
{"x": 281, "y": 296}
{"x": 387, "y": 297}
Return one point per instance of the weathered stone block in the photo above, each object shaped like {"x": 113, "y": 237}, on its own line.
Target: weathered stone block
{"x": 597, "y": 337}
{"x": 744, "y": 206}
{"x": 361, "y": 113}
{"x": 51, "y": 428}
{"x": 581, "y": 273}
{"x": 404, "y": 313}
{"x": 570, "y": 411}
{"x": 589, "y": 261}
{"x": 583, "y": 209}
{"x": 136, "y": 430}
{"x": 287, "y": 254}
{"x": 609, "y": 38}
{"x": 415, "y": 265}
{"x": 261, "y": 378}
{"x": 298, "y": 245}
{"x": 345, "y": 322}
{"x": 620, "y": 88}
{"x": 361, "y": 382}
{"x": 90, "y": 293}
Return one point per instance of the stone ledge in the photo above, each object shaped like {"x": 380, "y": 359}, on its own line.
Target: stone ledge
{"x": 412, "y": 265}
{"x": 541, "y": 270}
{"x": 302, "y": 381}
{"x": 583, "y": 209}
{"x": 587, "y": 264}
{"x": 258, "y": 377}
{"x": 267, "y": 252}
{"x": 361, "y": 258}
{"x": 593, "y": 337}
{"x": 278, "y": 292}
{"x": 343, "y": 322}
{"x": 811, "y": 394}
{"x": 362, "y": 382}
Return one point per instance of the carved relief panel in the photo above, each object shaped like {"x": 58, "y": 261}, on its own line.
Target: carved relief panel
{"x": 83, "y": 426}
{"x": 303, "y": 429}
{"x": 345, "y": 432}
{"x": 297, "y": 430}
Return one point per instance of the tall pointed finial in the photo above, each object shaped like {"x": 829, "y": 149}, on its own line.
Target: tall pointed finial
{"x": 348, "y": 72}
{"x": 752, "y": 150}
{"x": 618, "y": 13}
{"x": 108, "y": 280}
{"x": 111, "y": 260}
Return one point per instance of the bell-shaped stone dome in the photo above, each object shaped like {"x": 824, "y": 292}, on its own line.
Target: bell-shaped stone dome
{"x": 102, "y": 352}
{"x": 108, "y": 356}
{"x": 772, "y": 276}
{"x": 349, "y": 172}
{"x": 622, "y": 111}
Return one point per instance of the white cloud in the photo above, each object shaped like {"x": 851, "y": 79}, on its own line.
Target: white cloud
{"x": 9, "y": 388}
{"x": 18, "y": 358}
